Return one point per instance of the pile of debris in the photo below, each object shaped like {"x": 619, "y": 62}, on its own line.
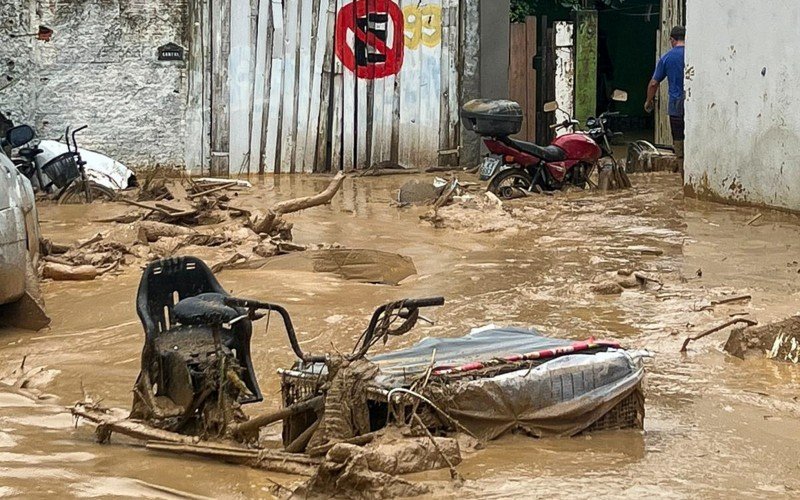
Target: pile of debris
{"x": 175, "y": 215}
{"x": 646, "y": 157}
{"x": 779, "y": 340}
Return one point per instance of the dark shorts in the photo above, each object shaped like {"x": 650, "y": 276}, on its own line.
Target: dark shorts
{"x": 677, "y": 125}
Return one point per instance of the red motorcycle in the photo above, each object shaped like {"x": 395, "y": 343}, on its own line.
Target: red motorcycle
{"x": 514, "y": 165}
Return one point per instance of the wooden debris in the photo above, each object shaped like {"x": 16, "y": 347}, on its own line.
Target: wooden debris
{"x": 94, "y": 239}
{"x": 133, "y": 428}
{"x": 322, "y": 198}
{"x": 751, "y": 221}
{"x": 714, "y": 303}
{"x": 358, "y": 440}
{"x": 48, "y": 247}
{"x": 150, "y": 231}
{"x": 151, "y": 207}
{"x": 122, "y": 219}
{"x": 63, "y": 272}
{"x": 212, "y": 190}
{"x": 643, "y": 279}
{"x": 270, "y": 222}
{"x": 170, "y": 491}
{"x": 644, "y": 250}
{"x": 716, "y": 329}
{"x": 252, "y": 426}
{"x": 301, "y": 442}
{"x": 376, "y": 172}
{"x": 271, "y": 460}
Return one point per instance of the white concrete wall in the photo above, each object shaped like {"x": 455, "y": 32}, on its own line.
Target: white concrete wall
{"x": 100, "y": 69}
{"x": 743, "y": 101}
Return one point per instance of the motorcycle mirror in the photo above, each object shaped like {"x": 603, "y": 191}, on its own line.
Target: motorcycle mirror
{"x": 549, "y": 107}
{"x": 19, "y": 135}
{"x": 619, "y": 95}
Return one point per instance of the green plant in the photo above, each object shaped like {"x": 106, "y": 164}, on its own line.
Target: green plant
{"x": 520, "y": 9}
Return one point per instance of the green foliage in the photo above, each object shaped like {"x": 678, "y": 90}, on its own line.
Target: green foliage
{"x": 520, "y": 9}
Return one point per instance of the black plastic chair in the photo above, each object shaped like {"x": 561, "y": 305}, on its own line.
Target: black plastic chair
{"x": 165, "y": 283}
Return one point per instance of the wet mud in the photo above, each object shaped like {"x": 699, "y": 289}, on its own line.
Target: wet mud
{"x": 716, "y": 425}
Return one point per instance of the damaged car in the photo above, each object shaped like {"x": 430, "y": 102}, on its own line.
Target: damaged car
{"x": 21, "y": 304}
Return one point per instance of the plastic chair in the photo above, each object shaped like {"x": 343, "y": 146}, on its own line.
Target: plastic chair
{"x": 164, "y": 283}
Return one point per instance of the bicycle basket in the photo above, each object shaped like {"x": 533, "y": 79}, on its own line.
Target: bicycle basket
{"x": 62, "y": 169}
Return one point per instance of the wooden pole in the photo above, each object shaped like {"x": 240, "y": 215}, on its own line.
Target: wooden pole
{"x": 253, "y": 425}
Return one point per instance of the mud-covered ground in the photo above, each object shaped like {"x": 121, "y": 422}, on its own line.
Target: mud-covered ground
{"x": 716, "y": 426}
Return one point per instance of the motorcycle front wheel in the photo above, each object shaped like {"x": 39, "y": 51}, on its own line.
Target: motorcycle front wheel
{"x": 507, "y": 184}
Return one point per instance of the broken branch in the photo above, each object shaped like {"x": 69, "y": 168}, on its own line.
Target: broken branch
{"x": 716, "y": 329}
{"x": 294, "y": 205}
{"x": 253, "y": 425}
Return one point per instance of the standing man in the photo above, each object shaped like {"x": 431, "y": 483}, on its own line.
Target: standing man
{"x": 671, "y": 66}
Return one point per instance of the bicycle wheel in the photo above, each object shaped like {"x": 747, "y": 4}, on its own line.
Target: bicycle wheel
{"x": 74, "y": 193}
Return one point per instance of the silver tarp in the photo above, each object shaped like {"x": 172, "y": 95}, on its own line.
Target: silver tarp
{"x": 560, "y": 397}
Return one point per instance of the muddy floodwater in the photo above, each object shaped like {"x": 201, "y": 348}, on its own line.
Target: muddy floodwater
{"x": 715, "y": 426}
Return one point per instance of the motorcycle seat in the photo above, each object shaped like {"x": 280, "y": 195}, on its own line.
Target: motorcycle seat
{"x": 29, "y": 153}
{"x": 546, "y": 153}
{"x": 204, "y": 309}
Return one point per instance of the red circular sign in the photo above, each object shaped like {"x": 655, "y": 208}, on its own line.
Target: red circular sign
{"x": 369, "y": 56}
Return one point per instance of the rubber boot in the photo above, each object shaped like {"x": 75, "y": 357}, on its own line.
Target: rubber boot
{"x": 678, "y": 145}
{"x": 679, "y": 154}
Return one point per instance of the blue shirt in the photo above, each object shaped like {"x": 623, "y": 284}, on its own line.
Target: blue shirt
{"x": 670, "y": 66}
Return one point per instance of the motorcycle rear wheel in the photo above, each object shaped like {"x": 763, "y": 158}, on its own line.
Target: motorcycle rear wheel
{"x": 506, "y": 184}
{"x": 74, "y": 193}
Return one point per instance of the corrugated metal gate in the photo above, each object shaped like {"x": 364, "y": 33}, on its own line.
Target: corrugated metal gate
{"x": 319, "y": 85}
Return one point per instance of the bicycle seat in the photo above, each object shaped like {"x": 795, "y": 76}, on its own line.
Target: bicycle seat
{"x": 546, "y": 153}
{"x": 30, "y": 153}
{"x": 204, "y": 309}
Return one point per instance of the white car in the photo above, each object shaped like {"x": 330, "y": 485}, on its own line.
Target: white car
{"x": 20, "y": 300}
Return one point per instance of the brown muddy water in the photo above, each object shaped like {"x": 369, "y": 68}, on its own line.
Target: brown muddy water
{"x": 715, "y": 426}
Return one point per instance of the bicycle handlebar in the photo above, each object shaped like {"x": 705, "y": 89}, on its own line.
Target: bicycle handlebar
{"x": 254, "y": 305}
{"x": 428, "y": 302}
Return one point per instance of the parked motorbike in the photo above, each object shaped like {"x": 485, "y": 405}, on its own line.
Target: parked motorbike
{"x": 64, "y": 179}
{"x": 513, "y": 166}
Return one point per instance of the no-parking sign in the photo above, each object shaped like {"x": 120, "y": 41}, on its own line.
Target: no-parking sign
{"x": 369, "y": 38}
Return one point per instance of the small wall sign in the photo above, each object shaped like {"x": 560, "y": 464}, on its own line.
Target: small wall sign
{"x": 170, "y": 52}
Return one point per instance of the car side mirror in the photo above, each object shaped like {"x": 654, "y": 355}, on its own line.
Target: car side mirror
{"x": 549, "y": 107}
{"x": 619, "y": 95}
{"x": 19, "y": 135}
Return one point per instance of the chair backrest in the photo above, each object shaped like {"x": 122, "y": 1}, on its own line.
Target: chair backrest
{"x": 164, "y": 283}
{"x": 167, "y": 281}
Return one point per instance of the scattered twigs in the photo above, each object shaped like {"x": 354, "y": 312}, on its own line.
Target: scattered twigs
{"x": 94, "y": 239}
{"x": 456, "y": 423}
{"x": 453, "y": 472}
{"x": 739, "y": 298}
{"x": 425, "y": 380}
{"x": 730, "y": 300}
{"x": 148, "y": 207}
{"x": 751, "y": 221}
{"x": 212, "y": 190}
{"x": 716, "y": 329}
{"x": 122, "y": 219}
